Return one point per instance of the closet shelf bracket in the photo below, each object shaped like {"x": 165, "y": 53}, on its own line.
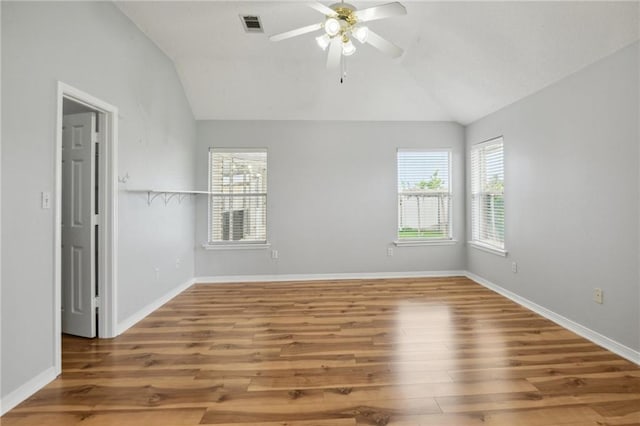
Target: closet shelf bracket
{"x": 167, "y": 194}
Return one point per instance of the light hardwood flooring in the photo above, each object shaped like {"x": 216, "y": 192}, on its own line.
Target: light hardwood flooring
{"x": 439, "y": 351}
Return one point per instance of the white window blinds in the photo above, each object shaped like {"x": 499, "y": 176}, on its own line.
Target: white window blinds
{"x": 487, "y": 193}
{"x": 238, "y": 203}
{"x": 424, "y": 195}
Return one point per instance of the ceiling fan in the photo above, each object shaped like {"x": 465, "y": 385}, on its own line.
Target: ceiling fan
{"x": 344, "y": 22}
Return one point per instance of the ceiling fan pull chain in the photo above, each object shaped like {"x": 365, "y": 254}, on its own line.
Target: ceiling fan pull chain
{"x": 343, "y": 73}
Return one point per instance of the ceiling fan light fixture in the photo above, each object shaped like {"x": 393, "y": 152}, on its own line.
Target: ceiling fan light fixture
{"x": 340, "y": 24}
{"x": 332, "y": 27}
{"x": 323, "y": 41}
{"x": 348, "y": 48}
{"x": 360, "y": 34}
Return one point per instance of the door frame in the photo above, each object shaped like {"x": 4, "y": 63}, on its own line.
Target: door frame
{"x": 108, "y": 220}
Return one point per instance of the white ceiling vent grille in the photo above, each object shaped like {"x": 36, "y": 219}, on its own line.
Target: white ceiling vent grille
{"x": 251, "y": 23}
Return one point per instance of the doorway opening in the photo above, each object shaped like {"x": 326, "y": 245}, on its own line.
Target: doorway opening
{"x": 85, "y": 217}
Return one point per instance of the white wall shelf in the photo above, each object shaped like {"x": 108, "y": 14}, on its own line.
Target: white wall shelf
{"x": 167, "y": 194}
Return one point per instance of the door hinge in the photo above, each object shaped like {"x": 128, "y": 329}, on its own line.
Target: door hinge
{"x": 96, "y": 302}
{"x": 96, "y": 219}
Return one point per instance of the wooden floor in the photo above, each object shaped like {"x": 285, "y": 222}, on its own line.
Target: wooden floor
{"x": 442, "y": 352}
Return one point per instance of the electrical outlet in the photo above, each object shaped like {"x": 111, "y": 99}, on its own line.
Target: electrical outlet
{"x": 597, "y": 295}
{"x": 514, "y": 267}
{"x": 274, "y": 254}
{"x": 390, "y": 251}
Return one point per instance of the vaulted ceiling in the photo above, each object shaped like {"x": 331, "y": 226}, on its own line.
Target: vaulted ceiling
{"x": 462, "y": 60}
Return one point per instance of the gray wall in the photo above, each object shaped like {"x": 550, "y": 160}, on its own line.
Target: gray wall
{"x": 332, "y": 201}
{"x": 95, "y": 48}
{"x": 571, "y": 197}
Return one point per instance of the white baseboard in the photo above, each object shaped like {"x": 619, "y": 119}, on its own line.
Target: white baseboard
{"x": 27, "y": 389}
{"x": 587, "y": 333}
{"x": 142, "y": 313}
{"x": 322, "y": 277}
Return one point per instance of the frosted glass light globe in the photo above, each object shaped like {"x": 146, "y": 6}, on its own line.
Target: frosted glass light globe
{"x": 332, "y": 26}
{"x": 348, "y": 48}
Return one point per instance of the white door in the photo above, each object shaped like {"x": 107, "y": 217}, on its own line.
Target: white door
{"x": 78, "y": 242}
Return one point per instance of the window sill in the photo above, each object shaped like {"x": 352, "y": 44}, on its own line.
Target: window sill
{"x": 417, "y": 243}
{"x": 240, "y": 246}
{"x": 488, "y": 249}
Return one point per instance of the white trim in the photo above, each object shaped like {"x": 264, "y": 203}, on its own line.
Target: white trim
{"x": 472, "y": 219}
{"x": 417, "y": 243}
{"x": 488, "y": 248}
{"x": 449, "y": 193}
{"x": 232, "y": 150}
{"x": 84, "y": 98}
{"x": 26, "y": 390}
{"x": 239, "y": 246}
{"x": 488, "y": 142}
{"x": 321, "y": 277}
{"x": 444, "y": 149}
{"x": 108, "y": 238}
{"x": 151, "y": 307}
{"x": 212, "y": 194}
{"x": 1, "y": 412}
{"x": 587, "y": 333}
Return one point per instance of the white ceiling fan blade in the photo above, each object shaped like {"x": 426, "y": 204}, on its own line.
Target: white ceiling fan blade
{"x": 335, "y": 53}
{"x": 325, "y": 10}
{"x": 379, "y": 12}
{"x": 383, "y": 45}
{"x": 296, "y": 32}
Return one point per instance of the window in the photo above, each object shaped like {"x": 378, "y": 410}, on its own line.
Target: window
{"x": 424, "y": 195}
{"x": 487, "y": 194}
{"x": 238, "y": 200}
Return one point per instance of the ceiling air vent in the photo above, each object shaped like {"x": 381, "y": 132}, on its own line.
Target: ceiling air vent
{"x": 251, "y": 23}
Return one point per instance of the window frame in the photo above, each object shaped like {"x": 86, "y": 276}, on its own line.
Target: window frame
{"x": 475, "y": 240}
{"x": 234, "y": 244}
{"x": 422, "y": 241}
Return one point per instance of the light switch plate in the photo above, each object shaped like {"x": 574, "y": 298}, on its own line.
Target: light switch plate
{"x": 45, "y": 200}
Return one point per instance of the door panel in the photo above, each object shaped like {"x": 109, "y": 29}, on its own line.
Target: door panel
{"x": 78, "y": 242}
{"x": 76, "y": 193}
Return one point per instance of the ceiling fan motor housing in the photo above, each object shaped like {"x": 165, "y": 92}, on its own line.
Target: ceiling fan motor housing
{"x": 345, "y": 13}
